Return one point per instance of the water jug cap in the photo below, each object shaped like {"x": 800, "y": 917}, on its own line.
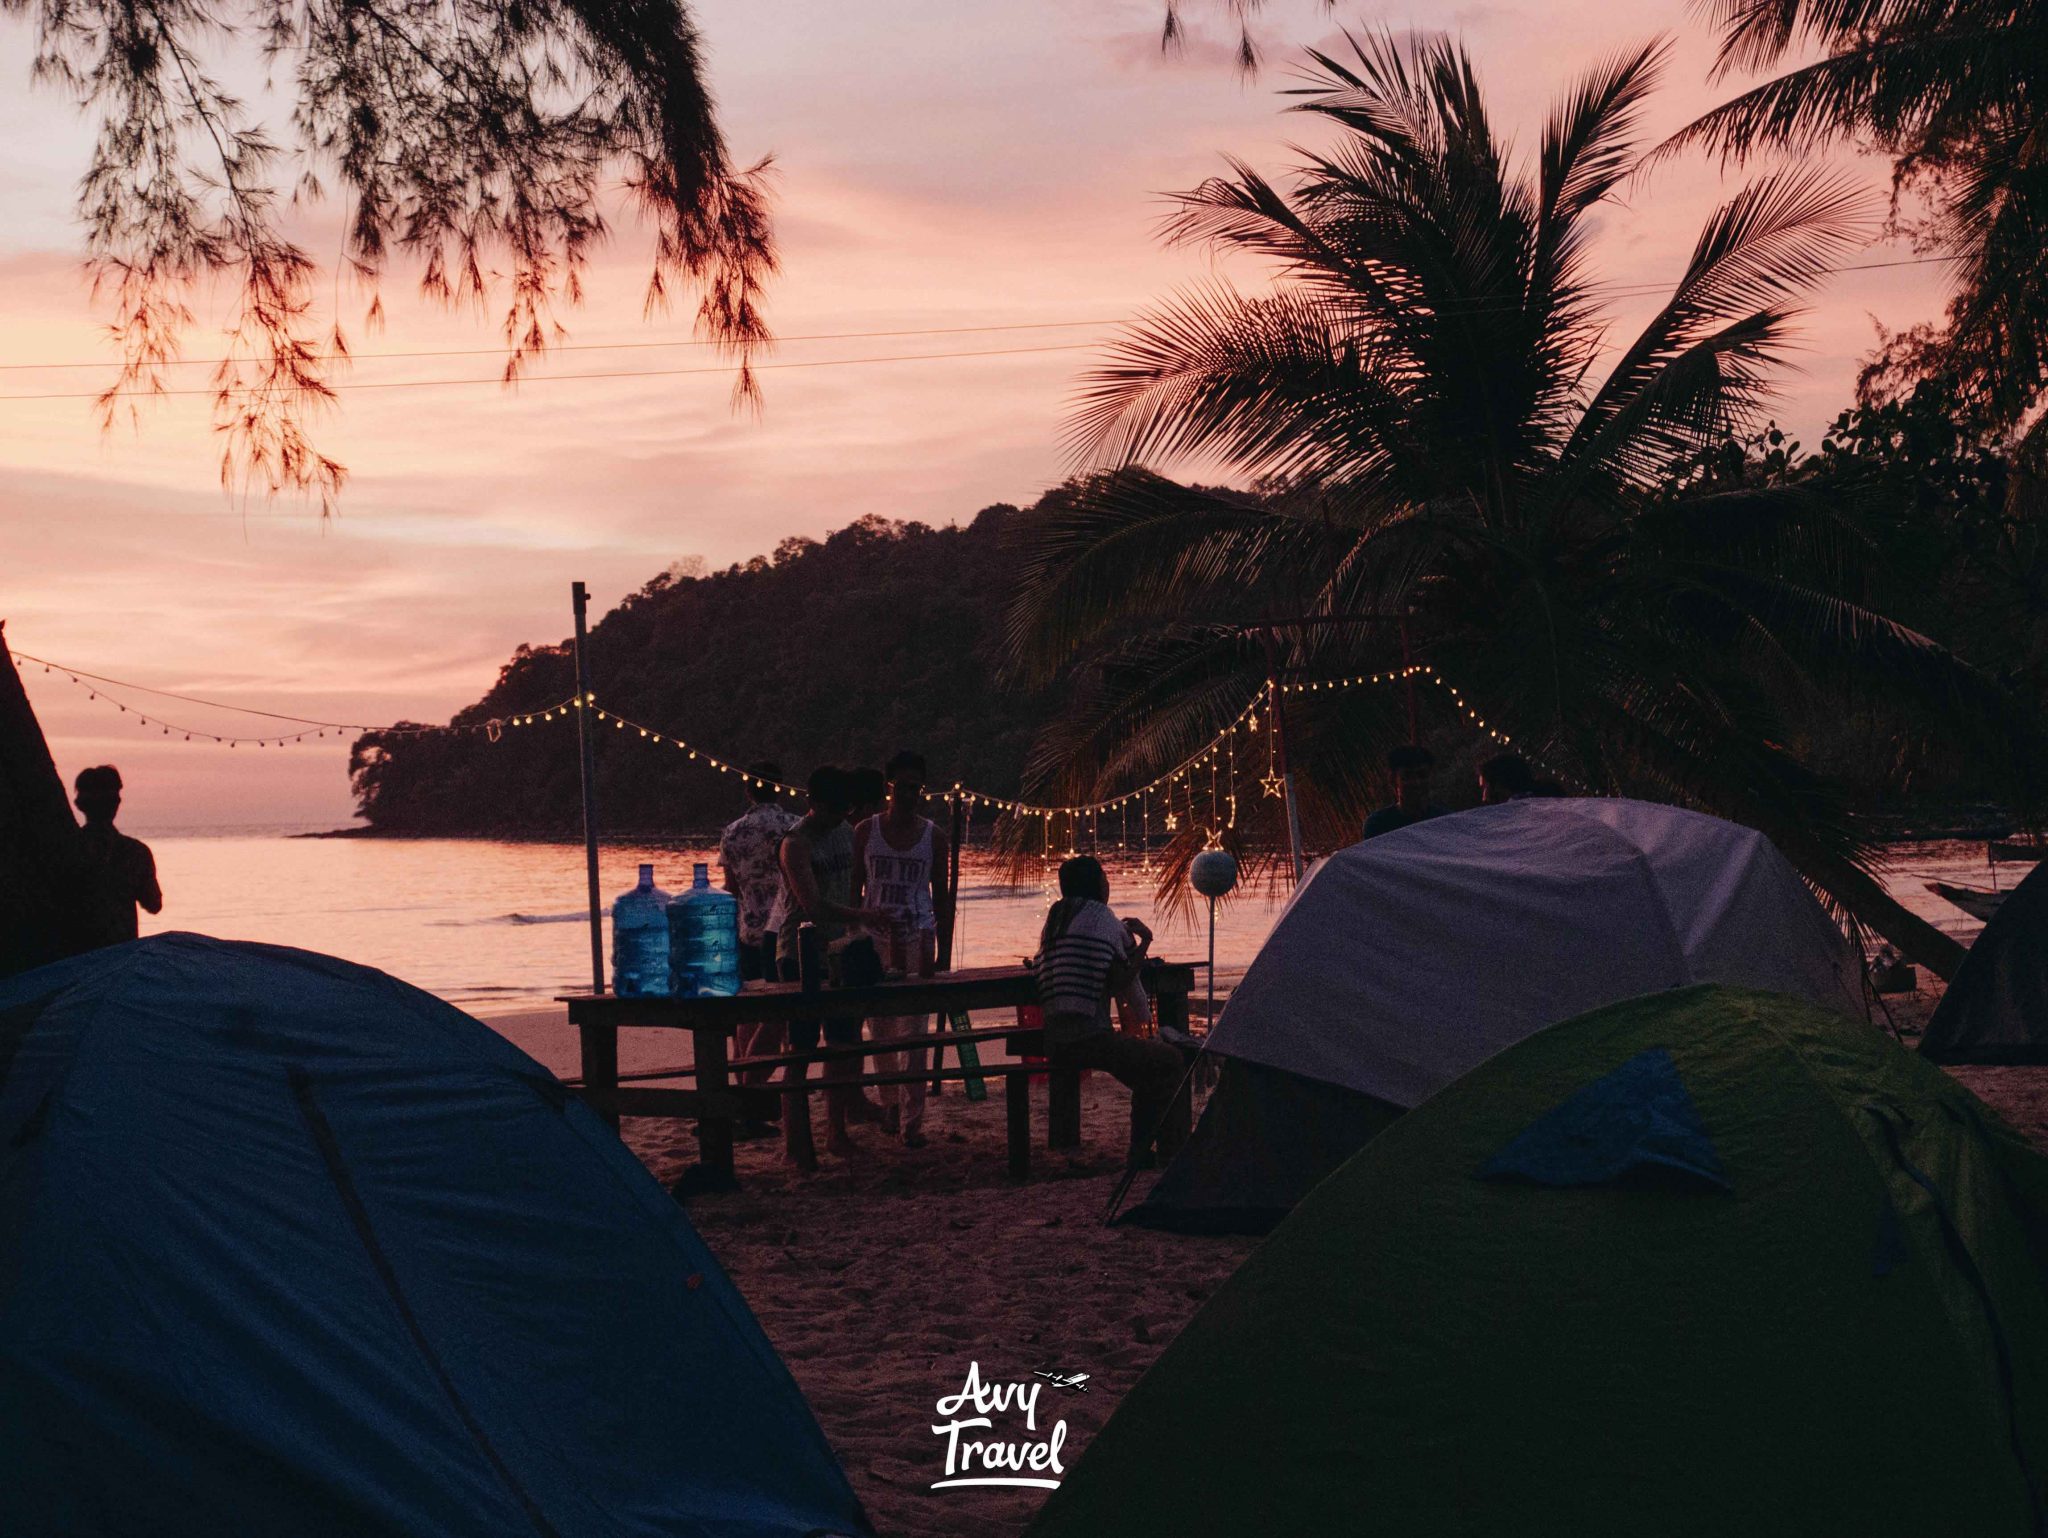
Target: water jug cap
{"x": 646, "y": 875}
{"x": 701, "y": 876}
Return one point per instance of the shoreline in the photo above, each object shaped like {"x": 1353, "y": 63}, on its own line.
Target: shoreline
{"x": 1936, "y": 825}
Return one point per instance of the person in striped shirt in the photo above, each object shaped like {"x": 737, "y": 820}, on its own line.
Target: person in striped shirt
{"x": 1086, "y": 956}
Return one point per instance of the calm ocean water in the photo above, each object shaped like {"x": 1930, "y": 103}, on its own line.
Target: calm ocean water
{"x": 497, "y": 927}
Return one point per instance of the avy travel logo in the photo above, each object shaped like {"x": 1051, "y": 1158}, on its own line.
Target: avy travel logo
{"x": 981, "y": 1425}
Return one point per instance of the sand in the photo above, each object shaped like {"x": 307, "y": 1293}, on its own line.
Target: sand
{"x": 882, "y": 1276}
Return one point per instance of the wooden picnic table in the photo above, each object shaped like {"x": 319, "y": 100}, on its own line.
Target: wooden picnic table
{"x": 718, "y": 1103}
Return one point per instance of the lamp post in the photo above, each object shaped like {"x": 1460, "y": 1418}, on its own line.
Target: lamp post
{"x": 1213, "y": 873}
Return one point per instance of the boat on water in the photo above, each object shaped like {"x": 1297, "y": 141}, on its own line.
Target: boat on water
{"x": 1975, "y": 901}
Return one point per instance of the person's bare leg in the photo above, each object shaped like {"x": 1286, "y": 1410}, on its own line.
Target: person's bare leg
{"x": 839, "y": 1099}
{"x": 855, "y": 1106}
{"x": 762, "y": 1040}
{"x": 884, "y": 1028}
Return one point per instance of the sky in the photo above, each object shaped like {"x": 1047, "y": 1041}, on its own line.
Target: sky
{"x": 985, "y": 163}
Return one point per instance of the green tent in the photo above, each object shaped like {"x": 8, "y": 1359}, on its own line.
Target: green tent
{"x": 1705, "y": 1262}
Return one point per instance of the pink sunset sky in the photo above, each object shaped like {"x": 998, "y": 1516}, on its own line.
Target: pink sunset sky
{"x": 974, "y": 164}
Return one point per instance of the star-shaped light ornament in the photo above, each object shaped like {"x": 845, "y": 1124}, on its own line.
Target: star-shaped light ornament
{"x": 1172, "y": 821}
{"x": 1275, "y": 786}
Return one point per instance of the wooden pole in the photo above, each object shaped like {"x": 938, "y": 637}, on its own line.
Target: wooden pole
{"x": 950, "y": 919}
{"x": 949, "y": 925}
{"x": 1210, "y": 1016}
{"x": 586, "y": 723}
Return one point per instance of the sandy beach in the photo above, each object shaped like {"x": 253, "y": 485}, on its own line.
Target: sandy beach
{"x": 883, "y": 1276}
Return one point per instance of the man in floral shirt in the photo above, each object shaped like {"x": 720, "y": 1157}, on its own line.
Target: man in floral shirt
{"x": 750, "y": 850}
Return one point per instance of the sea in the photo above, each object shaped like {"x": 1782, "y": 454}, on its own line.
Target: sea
{"x": 501, "y": 927}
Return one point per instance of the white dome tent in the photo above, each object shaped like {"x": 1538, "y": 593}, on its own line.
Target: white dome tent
{"x": 1407, "y": 960}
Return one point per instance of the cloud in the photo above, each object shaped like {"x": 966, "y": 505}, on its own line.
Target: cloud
{"x": 996, "y": 165}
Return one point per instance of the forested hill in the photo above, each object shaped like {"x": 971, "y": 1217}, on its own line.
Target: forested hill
{"x": 883, "y": 636}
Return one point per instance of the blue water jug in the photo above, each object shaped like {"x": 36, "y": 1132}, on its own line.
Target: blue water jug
{"x": 703, "y": 940}
{"x": 640, "y": 939}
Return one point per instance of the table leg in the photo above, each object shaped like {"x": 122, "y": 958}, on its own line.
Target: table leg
{"x": 1172, "y": 1009}
{"x": 601, "y": 1068}
{"x": 796, "y": 1117}
{"x": 1063, "y": 1108}
{"x": 714, "y": 1127}
{"x": 1017, "y": 1105}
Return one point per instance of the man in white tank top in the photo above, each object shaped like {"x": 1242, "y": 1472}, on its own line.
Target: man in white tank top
{"x": 900, "y": 866}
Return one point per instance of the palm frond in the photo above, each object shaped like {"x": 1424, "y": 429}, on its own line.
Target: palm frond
{"x": 1219, "y": 372}
{"x": 1124, "y": 550}
{"x": 1884, "y": 89}
{"x": 1699, "y": 364}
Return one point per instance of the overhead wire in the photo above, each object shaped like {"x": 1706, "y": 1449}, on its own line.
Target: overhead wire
{"x": 652, "y": 373}
{"x": 1613, "y": 290}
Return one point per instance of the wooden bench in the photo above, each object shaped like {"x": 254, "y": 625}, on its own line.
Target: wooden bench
{"x": 718, "y": 1102}
{"x": 770, "y": 1102}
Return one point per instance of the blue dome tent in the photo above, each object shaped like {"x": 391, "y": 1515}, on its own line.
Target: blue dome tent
{"x": 290, "y": 1247}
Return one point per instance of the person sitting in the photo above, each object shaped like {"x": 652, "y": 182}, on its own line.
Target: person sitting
{"x": 1503, "y": 777}
{"x": 817, "y": 887}
{"x": 1410, "y": 765}
{"x": 120, "y": 872}
{"x": 1087, "y": 955}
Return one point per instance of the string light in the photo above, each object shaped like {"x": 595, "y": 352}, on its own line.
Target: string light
{"x": 1260, "y": 710}
{"x": 492, "y": 729}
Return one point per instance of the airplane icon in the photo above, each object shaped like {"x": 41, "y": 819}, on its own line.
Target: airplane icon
{"x": 1073, "y": 1382}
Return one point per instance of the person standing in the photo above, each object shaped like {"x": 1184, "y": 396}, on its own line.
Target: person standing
{"x": 899, "y": 866}
{"x": 749, "y": 851}
{"x": 1410, "y": 765}
{"x": 120, "y": 872}
{"x": 1086, "y": 954}
{"x": 817, "y": 887}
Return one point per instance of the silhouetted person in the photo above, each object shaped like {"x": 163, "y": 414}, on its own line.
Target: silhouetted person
{"x": 750, "y": 850}
{"x": 870, "y": 791}
{"x": 1087, "y": 956}
{"x": 899, "y": 865}
{"x": 1410, "y": 765}
{"x": 817, "y": 888}
{"x": 1503, "y": 777}
{"x": 119, "y": 871}
{"x": 1545, "y": 790}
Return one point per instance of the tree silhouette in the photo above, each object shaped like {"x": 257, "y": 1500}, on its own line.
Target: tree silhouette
{"x": 1419, "y": 392}
{"x": 1953, "y": 91}
{"x": 461, "y": 134}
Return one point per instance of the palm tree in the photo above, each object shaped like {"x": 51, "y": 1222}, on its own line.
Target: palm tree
{"x": 1416, "y": 397}
{"x": 1954, "y": 91}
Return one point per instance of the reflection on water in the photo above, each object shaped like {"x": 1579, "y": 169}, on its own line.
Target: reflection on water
{"x": 500, "y": 925}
